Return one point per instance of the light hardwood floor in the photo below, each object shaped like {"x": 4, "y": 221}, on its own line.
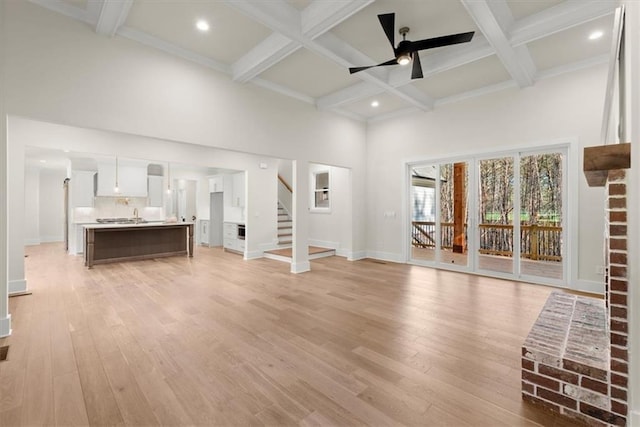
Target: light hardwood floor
{"x": 215, "y": 340}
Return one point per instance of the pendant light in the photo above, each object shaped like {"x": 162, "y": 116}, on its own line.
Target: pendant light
{"x": 116, "y": 189}
{"x": 168, "y": 177}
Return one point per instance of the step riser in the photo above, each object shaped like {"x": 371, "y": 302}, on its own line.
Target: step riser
{"x": 285, "y": 228}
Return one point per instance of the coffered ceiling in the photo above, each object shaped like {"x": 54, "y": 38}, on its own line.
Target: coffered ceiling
{"x": 303, "y": 48}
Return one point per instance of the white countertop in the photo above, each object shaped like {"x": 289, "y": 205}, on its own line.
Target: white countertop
{"x": 142, "y": 224}
{"x": 234, "y": 222}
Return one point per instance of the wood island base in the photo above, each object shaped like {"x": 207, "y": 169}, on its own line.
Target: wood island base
{"x": 117, "y": 242}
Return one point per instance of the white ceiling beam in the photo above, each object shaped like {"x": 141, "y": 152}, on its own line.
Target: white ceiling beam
{"x": 445, "y": 59}
{"x": 157, "y": 43}
{"x": 278, "y": 15}
{"x": 283, "y": 90}
{"x": 351, "y": 94}
{"x": 281, "y": 18}
{"x": 316, "y": 19}
{"x": 112, "y": 15}
{"x": 264, "y": 55}
{"x": 93, "y": 10}
{"x": 487, "y": 21}
{"x": 559, "y": 18}
{"x": 321, "y": 16}
{"x": 332, "y": 47}
{"x": 552, "y": 72}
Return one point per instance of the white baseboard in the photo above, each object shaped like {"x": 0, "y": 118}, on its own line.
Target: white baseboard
{"x": 17, "y": 286}
{"x": 277, "y": 257}
{"x": 634, "y": 418}
{"x": 253, "y": 255}
{"x": 346, "y": 253}
{"x": 324, "y": 244}
{"x": 264, "y": 247}
{"x": 51, "y": 239}
{"x": 300, "y": 267}
{"x": 43, "y": 239}
{"x": 5, "y": 326}
{"x": 356, "y": 255}
{"x": 589, "y": 286}
{"x": 385, "y": 256}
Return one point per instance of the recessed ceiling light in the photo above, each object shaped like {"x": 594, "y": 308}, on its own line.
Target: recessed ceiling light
{"x": 202, "y": 25}
{"x": 66, "y": 151}
{"x": 43, "y": 161}
{"x": 596, "y": 35}
{"x": 374, "y": 104}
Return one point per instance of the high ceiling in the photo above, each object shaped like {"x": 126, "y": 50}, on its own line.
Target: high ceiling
{"x": 303, "y": 48}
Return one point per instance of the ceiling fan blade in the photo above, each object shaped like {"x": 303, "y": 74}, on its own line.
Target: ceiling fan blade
{"x": 416, "y": 68}
{"x": 388, "y": 22}
{"x": 356, "y": 69}
{"x": 441, "y": 41}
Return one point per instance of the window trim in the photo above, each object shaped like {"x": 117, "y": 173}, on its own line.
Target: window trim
{"x": 314, "y": 190}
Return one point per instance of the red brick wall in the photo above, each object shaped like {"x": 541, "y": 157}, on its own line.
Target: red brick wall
{"x": 617, "y": 289}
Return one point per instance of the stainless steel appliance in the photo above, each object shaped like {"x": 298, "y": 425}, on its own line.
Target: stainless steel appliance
{"x": 241, "y": 231}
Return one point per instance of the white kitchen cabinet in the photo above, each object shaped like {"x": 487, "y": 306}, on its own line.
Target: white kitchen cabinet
{"x": 230, "y": 230}
{"x": 216, "y": 183}
{"x": 78, "y": 244}
{"x": 132, "y": 180}
{"x": 204, "y": 232}
{"x": 82, "y": 189}
{"x": 155, "y": 187}
{"x": 238, "y": 193}
{"x": 230, "y": 239}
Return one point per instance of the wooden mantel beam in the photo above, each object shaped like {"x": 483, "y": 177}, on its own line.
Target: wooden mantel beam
{"x": 599, "y": 160}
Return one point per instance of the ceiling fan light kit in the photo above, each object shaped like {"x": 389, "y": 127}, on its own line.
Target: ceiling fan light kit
{"x": 407, "y": 50}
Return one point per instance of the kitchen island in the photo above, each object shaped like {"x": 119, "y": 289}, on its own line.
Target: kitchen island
{"x": 105, "y": 243}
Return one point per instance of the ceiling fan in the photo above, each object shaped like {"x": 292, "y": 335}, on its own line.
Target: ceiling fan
{"x": 408, "y": 50}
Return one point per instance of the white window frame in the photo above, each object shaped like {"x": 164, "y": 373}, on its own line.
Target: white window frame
{"x": 314, "y": 190}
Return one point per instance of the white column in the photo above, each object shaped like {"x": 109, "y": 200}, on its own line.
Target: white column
{"x": 5, "y": 317}
{"x": 632, "y": 41}
{"x": 15, "y": 213}
{"x": 300, "y": 256}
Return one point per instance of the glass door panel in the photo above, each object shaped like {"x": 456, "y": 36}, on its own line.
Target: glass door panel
{"x": 453, "y": 213}
{"x": 495, "y": 214}
{"x": 423, "y": 212}
{"x": 541, "y": 215}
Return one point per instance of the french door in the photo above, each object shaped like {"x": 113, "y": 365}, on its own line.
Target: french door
{"x": 501, "y": 215}
{"x": 440, "y": 194}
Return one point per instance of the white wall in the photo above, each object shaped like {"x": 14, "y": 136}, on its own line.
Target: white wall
{"x": 51, "y": 205}
{"x": 32, "y": 206}
{"x": 332, "y": 229}
{"x": 5, "y": 317}
{"x": 556, "y": 109}
{"x": 43, "y": 205}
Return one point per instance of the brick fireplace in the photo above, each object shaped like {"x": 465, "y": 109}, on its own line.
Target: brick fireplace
{"x": 575, "y": 359}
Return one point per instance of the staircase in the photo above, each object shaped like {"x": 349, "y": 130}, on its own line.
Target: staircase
{"x": 285, "y": 228}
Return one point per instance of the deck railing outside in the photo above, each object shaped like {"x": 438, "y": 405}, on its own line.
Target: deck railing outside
{"x": 537, "y": 242}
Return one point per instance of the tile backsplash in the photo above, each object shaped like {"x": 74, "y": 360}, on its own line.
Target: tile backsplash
{"x": 118, "y": 207}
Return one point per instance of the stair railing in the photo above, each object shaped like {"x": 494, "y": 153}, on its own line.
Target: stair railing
{"x": 285, "y": 195}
